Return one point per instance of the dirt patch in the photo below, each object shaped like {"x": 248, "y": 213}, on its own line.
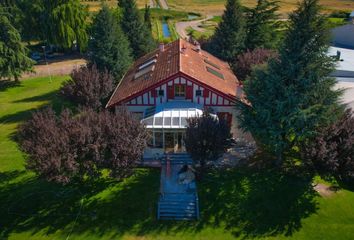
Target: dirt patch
{"x": 325, "y": 190}
{"x": 60, "y": 67}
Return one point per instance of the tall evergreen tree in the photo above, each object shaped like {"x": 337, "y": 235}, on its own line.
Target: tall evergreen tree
{"x": 13, "y": 54}
{"x": 138, "y": 34}
{"x": 65, "y": 23}
{"x": 293, "y": 96}
{"x": 261, "y": 25}
{"x": 147, "y": 16}
{"x": 109, "y": 47}
{"x": 229, "y": 38}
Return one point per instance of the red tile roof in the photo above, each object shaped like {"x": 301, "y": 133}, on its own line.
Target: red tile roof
{"x": 178, "y": 57}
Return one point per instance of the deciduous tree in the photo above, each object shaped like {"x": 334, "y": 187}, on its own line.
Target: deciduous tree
{"x": 89, "y": 87}
{"x": 246, "y": 61}
{"x": 207, "y": 137}
{"x": 331, "y": 153}
{"x": 67, "y": 148}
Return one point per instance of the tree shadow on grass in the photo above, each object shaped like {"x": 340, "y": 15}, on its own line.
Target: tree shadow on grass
{"x": 244, "y": 202}
{"x": 5, "y": 84}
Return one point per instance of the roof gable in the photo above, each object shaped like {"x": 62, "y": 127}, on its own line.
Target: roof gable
{"x": 177, "y": 57}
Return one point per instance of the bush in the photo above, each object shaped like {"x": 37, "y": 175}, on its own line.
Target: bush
{"x": 331, "y": 153}
{"x": 245, "y": 62}
{"x": 207, "y": 138}
{"x": 88, "y": 87}
{"x": 67, "y": 147}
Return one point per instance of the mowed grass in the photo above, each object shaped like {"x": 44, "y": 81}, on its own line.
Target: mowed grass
{"x": 235, "y": 204}
{"x": 216, "y": 7}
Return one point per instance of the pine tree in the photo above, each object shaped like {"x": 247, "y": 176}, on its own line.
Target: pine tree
{"x": 229, "y": 38}
{"x": 261, "y": 25}
{"x": 65, "y": 22}
{"x": 109, "y": 47}
{"x": 13, "y": 54}
{"x": 147, "y": 16}
{"x": 138, "y": 34}
{"x": 293, "y": 96}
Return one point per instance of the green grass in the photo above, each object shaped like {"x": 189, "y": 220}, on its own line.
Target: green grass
{"x": 235, "y": 204}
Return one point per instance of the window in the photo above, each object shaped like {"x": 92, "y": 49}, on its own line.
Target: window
{"x": 212, "y": 64}
{"x": 216, "y": 73}
{"x": 145, "y": 68}
{"x": 147, "y": 63}
{"x": 180, "y": 91}
{"x": 158, "y": 139}
{"x": 198, "y": 93}
{"x": 161, "y": 93}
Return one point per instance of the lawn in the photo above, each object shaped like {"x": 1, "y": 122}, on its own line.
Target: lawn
{"x": 239, "y": 203}
{"x": 215, "y": 7}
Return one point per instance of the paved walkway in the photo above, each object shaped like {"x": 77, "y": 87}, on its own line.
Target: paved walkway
{"x": 181, "y": 27}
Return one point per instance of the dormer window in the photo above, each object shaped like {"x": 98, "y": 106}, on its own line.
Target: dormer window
{"x": 145, "y": 68}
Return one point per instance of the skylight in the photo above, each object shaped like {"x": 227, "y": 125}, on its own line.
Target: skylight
{"x": 216, "y": 73}
{"x": 212, "y": 64}
{"x": 148, "y": 63}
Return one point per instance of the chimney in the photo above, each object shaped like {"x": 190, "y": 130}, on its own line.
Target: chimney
{"x": 162, "y": 47}
{"x": 198, "y": 47}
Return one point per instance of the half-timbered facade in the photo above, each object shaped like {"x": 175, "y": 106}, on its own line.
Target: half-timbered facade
{"x": 173, "y": 83}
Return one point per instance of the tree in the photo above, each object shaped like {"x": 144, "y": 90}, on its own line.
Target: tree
{"x": 65, "y": 22}
{"x": 138, "y": 34}
{"x": 109, "y": 47}
{"x": 68, "y": 148}
{"x": 331, "y": 153}
{"x": 207, "y": 137}
{"x": 291, "y": 98}
{"x": 13, "y": 54}
{"x": 89, "y": 87}
{"x": 246, "y": 61}
{"x": 229, "y": 38}
{"x": 261, "y": 25}
{"x": 147, "y": 17}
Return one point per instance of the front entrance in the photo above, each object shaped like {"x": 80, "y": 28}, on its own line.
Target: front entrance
{"x": 174, "y": 142}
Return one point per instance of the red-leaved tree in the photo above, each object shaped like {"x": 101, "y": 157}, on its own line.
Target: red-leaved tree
{"x": 246, "y": 61}
{"x": 88, "y": 87}
{"x": 207, "y": 137}
{"x": 67, "y": 147}
{"x": 331, "y": 153}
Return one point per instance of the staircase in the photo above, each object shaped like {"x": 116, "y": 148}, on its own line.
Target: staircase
{"x": 177, "y": 201}
{"x": 178, "y": 207}
{"x": 178, "y": 159}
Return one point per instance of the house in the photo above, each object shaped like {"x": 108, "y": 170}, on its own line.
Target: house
{"x": 173, "y": 83}
{"x": 344, "y": 73}
{"x": 343, "y": 36}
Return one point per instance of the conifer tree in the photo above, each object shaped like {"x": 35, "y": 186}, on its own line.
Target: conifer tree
{"x": 138, "y": 34}
{"x": 293, "y": 97}
{"x": 109, "y": 47}
{"x": 147, "y": 16}
{"x": 229, "y": 38}
{"x": 261, "y": 25}
{"x": 13, "y": 54}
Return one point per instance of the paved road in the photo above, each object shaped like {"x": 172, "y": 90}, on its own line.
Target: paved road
{"x": 182, "y": 26}
{"x": 163, "y": 4}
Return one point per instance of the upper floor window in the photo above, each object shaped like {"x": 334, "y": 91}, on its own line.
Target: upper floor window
{"x": 161, "y": 93}
{"x": 180, "y": 91}
{"x": 198, "y": 93}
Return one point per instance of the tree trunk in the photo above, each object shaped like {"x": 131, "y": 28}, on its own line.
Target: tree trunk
{"x": 17, "y": 80}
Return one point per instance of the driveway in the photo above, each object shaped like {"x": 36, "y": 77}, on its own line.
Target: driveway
{"x": 182, "y": 26}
